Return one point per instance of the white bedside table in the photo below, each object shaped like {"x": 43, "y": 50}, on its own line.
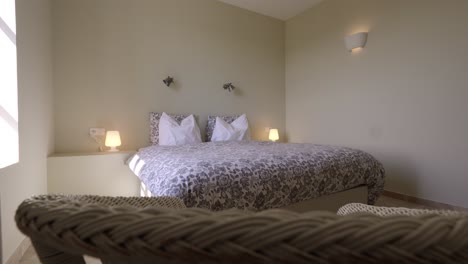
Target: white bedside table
{"x": 100, "y": 173}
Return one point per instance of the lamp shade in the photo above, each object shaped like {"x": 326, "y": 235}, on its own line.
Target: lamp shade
{"x": 274, "y": 135}
{"x": 113, "y": 140}
{"x": 355, "y": 41}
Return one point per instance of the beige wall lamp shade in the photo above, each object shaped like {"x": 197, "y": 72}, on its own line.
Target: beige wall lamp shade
{"x": 356, "y": 41}
{"x": 274, "y": 135}
{"x": 113, "y": 140}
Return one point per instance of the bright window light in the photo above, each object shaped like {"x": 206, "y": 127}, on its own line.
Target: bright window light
{"x": 9, "y": 147}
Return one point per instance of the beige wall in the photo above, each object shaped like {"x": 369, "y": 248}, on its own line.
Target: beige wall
{"x": 403, "y": 98}
{"x": 110, "y": 57}
{"x": 28, "y": 177}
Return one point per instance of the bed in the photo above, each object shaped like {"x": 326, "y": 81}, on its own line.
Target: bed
{"x": 259, "y": 175}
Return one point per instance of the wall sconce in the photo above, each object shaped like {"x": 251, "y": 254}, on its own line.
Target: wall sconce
{"x": 168, "y": 81}
{"x": 229, "y": 87}
{"x": 356, "y": 41}
{"x": 113, "y": 140}
{"x": 274, "y": 135}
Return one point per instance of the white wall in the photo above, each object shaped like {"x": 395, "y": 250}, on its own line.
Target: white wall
{"x": 110, "y": 57}
{"x": 29, "y": 176}
{"x": 403, "y": 98}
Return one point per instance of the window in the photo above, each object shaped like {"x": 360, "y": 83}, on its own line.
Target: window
{"x": 9, "y": 147}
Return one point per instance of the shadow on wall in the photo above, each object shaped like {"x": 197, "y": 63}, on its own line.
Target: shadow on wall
{"x": 398, "y": 170}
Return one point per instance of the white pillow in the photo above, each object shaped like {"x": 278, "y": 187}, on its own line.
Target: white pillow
{"x": 172, "y": 134}
{"x": 237, "y": 130}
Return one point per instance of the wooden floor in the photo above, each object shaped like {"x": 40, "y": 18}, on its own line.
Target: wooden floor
{"x": 31, "y": 258}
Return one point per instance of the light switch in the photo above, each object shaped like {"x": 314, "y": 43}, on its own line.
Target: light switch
{"x": 97, "y": 132}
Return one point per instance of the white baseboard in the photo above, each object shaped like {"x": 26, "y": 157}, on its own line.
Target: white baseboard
{"x": 19, "y": 252}
{"x": 424, "y": 202}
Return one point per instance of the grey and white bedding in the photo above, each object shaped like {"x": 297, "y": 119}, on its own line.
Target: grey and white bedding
{"x": 255, "y": 175}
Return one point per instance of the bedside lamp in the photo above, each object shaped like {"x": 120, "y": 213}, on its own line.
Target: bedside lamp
{"x": 274, "y": 135}
{"x": 113, "y": 140}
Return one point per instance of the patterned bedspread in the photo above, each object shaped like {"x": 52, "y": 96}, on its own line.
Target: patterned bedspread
{"x": 255, "y": 175}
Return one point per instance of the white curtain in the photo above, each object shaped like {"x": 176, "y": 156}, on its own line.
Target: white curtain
{"x": 9, "y": 148}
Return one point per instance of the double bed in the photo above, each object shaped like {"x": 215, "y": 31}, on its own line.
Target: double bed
{"x": 259, "y": 175}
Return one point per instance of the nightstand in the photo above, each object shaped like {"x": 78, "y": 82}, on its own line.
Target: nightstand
{"x": 101, "y": 173}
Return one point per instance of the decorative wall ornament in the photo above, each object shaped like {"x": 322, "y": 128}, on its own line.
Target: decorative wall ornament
{"x": 229, "y": 87}
{"x": 168, "y": 81}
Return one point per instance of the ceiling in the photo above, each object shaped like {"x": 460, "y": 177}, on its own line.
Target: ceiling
{"x": 281, "y": 9}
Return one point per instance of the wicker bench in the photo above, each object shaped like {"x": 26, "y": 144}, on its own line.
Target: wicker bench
{"x": 162, "y": 230}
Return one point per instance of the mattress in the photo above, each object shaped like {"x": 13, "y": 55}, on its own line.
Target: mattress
{"x": 255, "y": 175}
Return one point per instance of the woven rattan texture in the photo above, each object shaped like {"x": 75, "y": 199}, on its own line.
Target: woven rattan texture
{"x": 354, "y": 208}
{"x": 141, "y": 234}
